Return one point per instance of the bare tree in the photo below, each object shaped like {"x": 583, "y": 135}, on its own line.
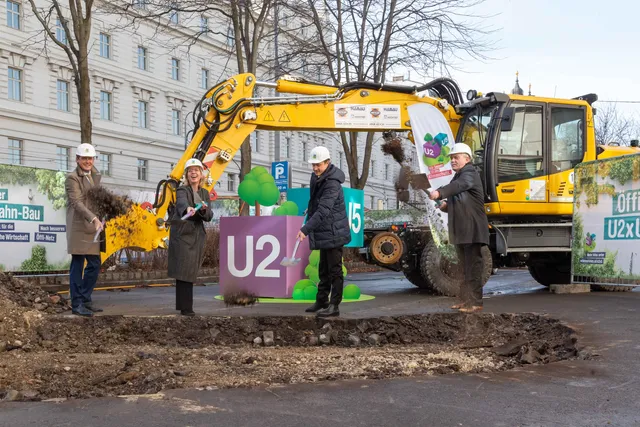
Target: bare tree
{"x": 613, "y": 126}
{"x": 365, "y": 40}
{"x": 75, "y": 44}
{"x": 245, "y": 21}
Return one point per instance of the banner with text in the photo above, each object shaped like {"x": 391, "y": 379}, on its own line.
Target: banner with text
{"x": 606, "y": 222}
{"x": 354, "y": 202}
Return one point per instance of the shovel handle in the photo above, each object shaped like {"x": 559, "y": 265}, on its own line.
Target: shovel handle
{"x": 295, "y": 248}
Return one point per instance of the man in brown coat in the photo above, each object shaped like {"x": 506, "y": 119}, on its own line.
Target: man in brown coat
{"x": 82, "y": 226}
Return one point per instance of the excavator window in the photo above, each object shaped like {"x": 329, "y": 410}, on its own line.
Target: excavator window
{"x": 520, "y": 151}
{"x": 475, "y": 132}
{"x": 567, "y": 138}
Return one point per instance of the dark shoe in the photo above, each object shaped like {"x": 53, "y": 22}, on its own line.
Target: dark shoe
{"x": 93, "y": 308}
{"x": 82, "y": 311}
{"x": 316, "y": 307}
{"x": 330, "y": 311}
{"x": 187, "y": 312}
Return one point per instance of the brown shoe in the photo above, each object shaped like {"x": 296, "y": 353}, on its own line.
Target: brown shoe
{"x": 471, "y": 309}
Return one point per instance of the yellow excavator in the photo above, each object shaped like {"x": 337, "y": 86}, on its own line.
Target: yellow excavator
{"x": 525, "y": 149}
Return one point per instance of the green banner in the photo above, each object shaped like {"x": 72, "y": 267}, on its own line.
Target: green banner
{"x": 13, "y": 212}
{"x": 4, "y": 194}
{"x": 354, "y": 202}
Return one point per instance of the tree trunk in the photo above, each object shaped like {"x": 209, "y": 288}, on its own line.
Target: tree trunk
{"x": 83, "y": 86}
{"x": 245, "y": 168}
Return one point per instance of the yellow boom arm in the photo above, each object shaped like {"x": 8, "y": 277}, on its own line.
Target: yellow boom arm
{"x": 230, "y": 111}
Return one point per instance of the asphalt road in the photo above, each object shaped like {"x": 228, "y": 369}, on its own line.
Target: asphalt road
{"x": 599, "y": 392}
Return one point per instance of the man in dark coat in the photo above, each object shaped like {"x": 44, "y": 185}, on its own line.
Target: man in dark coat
{"x": 187, "y": 236}
{"x": 328, "y": 230}
{"x": 468, "y": 225}
{"x": 82, "y": 226}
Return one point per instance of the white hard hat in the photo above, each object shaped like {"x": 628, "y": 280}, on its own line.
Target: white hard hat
{"x": 319, "y": 154}
{"x": 459, "y": 147}
{"x": 193, "y": 162}
{"x": 85, "y": 150}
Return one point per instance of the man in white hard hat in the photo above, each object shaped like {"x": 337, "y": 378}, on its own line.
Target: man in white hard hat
{"x": 327, "y": 229}
{"x": 82, "y": 226}
{"x": 468, "y": 225}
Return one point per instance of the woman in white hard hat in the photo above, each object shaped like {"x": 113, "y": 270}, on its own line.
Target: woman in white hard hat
{"x": 82, "y": 225}
{"x": 327, "y": 229}
{"x": 187, "y": 236}
{"x": 468, "y": 225}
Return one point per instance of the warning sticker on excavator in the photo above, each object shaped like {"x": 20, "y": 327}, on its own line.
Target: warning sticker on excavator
{"x": 269, "y": 117}
{"x": 284, "y": 117}
{"x": 367, "y": 116}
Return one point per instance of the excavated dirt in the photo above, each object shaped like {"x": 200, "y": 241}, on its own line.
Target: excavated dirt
{"x": 107, "y": 205}
{"x": 394, "y": 149}
{"x": 46, "y": 355}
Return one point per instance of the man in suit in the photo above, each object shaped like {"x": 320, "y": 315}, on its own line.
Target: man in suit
{"x": 468, "y": 224}
{"x": 82, "y": 225}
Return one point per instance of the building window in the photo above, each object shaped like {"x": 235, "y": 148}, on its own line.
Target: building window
{"x": 64, "y": 158}
{"x": 104, "y": 161}
{"x": 105, "y": 45}
{"x": 305, "y": 154}
{"x": 15, "y": 151}
{"x": 105, "y": 105}
{"x": 231, "y": 182}
{"x": 143, "y": 168}
{"x": 255, "y": 142}
{"x": 140, "y": 4}
{"x": 204, "y": 84}
{"x": 387, "y": 172}
{"x": 340, "y": 157}
{"x": 143, "y": 114}
{"x": 231, "y": 36}
{"x": 61, "y": 34}
{"x": 285, "y": 149}
{"x": 175, "y": 122}
{"x": 204, "y": 24}
{"x": 13, "y": 14}
{"x": 373, "y": 168}
{"x": 142, "y": 58}
{"x": 63, "y": 95}
{"x": 175, "y": 69}
{"x": 173, "y": 17}
{"x": 372, "y": 201}
{"x": 15, "y": 84}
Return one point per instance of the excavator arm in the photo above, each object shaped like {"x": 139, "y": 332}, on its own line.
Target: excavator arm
{"x": 229, "y": 112}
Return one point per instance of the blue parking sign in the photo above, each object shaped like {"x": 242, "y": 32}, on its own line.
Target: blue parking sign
{"x": 280, "y": 173}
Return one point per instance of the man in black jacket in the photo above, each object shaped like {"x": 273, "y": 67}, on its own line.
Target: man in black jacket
{"x": 328, "y": 230}
{"x": 468, "y": 225}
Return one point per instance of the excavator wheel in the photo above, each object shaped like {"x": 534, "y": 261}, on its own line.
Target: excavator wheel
{"x": 386, "y": 248}
{"x": 549, "y": 273}
{"x": 446, "y": 275}
{"x": 417, "y": 279}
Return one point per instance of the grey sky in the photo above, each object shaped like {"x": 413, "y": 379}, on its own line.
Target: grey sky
{"x": 569, "y": 47}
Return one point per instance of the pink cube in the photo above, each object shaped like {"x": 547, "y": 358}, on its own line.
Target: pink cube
{"x": 251, "y": 249}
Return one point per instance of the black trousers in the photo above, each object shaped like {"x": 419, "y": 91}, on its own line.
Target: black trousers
{"x": 470, "y": 257}
{"x": 331, "y": 279}
{"x": 184, "y": 295}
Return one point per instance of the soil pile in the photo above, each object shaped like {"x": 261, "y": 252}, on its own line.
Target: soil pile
{"x": 239, "y": 298}
{"x": 107, "y": 205}
{"x": 22, "y": 306}
{"x": 113, "y": 355}
{"x": 29, "y": 296}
